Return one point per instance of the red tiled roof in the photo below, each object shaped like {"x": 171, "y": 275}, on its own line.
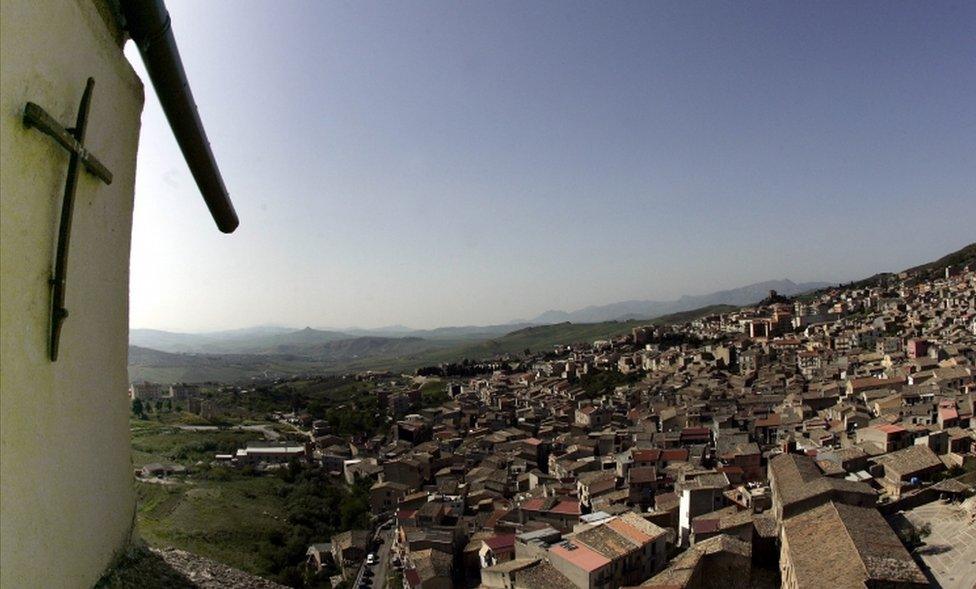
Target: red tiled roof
{"x": 948, "y": 413}
{"x": 890, "y": 428}
{"x": 501, "y": 542}
{"x": 566, "y": 507}
{"x": 773, "y": 420}
{"x": 628, "y": 531}
{"x": 495, "y": 517}
{"x": 581, "y": 556}
{"x": 649, "y": 455}
{"x": 675, "y": 454}
{"x": 642, "y": 474}
{"x": 704, "y": 526}
{"x": 869, "y": 382}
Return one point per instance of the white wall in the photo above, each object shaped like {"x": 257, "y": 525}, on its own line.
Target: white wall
{"x": 66, "y": 495}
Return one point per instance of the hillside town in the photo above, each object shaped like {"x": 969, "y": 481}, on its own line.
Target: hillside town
{"x": 736, "y": 444}
{"x": 487, "y": 295}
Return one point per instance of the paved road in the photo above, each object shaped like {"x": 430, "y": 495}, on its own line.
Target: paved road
{"x": 950, "y": 550}
{"x": 263, "y": 429}
{"x": 381, "y": 569}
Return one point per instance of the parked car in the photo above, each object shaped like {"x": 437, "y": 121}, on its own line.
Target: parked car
{"x": 371, "y": 559}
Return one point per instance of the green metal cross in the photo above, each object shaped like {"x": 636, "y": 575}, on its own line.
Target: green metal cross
{"x": 73, "y": 140}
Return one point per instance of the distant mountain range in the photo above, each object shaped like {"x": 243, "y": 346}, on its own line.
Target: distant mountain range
{"x": 237, "y": 341}
{"x": 284, "y": 340}
{"x": 271, "y": 351}
{"x": 367, "y": 352}
{"x": 464, "y": 332}
{"x": 626, "y": 310}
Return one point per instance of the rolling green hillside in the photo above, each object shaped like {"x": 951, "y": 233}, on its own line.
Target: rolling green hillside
{"x": 545, "y": 337}
{"x": 374, "y": 353}
{"x": 963, "y": 257}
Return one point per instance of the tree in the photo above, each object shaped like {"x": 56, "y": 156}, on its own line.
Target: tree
{"x": 137, "y": 408}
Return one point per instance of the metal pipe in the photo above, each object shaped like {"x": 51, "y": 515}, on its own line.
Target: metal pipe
{"x": 149, "y": 26}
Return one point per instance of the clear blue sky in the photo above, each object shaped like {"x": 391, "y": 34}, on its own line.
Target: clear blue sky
{"x": 458, "y": 163}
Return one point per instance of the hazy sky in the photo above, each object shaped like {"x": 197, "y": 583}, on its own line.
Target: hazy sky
{"x": 476, "y": 162}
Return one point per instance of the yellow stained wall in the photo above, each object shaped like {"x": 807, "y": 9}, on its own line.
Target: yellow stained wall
{"x": 66, "y": 495}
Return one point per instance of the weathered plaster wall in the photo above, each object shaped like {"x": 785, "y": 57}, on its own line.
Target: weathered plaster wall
{"x": 66, "y": 496}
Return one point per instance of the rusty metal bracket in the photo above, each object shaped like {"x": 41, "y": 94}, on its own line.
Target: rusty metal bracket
{"x": 72, "y": 140}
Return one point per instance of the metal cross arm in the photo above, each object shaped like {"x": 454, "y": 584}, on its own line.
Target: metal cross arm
{"x": 72, "y": 140}
{"x": 37, "y": 117}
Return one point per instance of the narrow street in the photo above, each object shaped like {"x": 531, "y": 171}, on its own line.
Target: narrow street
{"x": 378, "y": 572}
{"x": 383, "y": 566}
